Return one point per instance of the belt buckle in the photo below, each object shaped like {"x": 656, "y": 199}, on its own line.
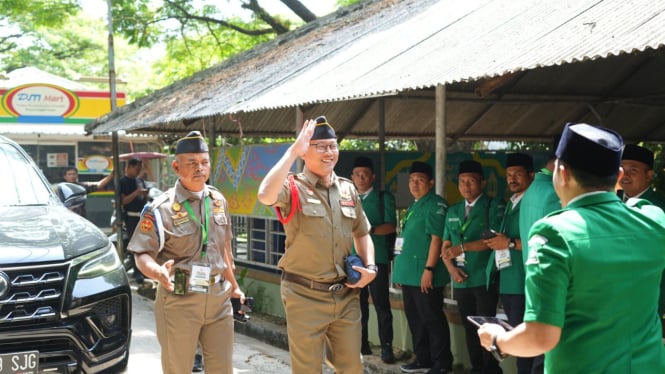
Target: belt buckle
{"x": 336, "y": 287}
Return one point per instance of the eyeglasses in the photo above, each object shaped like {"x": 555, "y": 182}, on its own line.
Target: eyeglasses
{"x": 323, "y": 148}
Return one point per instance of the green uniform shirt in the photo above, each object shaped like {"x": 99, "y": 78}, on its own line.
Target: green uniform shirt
{"x": 538, "y": 201}
{"x": 486, "y": 214}
{"x": 372, "y": 207}
{"x": 659, "y": 201}
{"x": 424, "y": 218}
{"x": 586, "y": 275}
{"x": 511, "y": 280}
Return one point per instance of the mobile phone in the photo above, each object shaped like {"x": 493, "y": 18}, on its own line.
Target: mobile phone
{"x": 488, "y": 234}
{"x": 479, "y": 320}
{"x": 180, "y": 282}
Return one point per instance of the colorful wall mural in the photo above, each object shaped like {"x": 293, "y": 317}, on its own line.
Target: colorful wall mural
{"x": 238, "y": 171}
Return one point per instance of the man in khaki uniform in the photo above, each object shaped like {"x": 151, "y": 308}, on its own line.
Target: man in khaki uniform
{"x": 324, "y": 218}
{"x": 183, "y": 241}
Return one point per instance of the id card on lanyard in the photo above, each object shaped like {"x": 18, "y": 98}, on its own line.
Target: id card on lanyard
{"x": 199, "y": 279}
{"x": 502, "y": 256}
{"x": 460, "y": 260}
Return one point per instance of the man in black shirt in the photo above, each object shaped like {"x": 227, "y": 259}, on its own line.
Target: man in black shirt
{"x": 134, "y": 195}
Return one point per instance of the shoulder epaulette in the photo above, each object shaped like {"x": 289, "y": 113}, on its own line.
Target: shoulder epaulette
{"x": 161, "y": 199}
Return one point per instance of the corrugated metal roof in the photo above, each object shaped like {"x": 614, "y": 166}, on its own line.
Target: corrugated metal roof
{"x": 396, "y": 49}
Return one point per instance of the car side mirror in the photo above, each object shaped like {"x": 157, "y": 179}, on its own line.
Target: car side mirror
{"x": 71, "y": 194}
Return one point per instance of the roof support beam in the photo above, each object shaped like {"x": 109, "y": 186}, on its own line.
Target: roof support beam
{"x": 440, "y": 140}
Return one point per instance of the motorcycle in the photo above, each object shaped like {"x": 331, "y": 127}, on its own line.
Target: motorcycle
{"x": 128, "y": 258}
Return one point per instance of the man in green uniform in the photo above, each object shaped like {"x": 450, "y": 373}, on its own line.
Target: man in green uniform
{"x": 466, "y": 256}
{"x": 637, "y": 163}
{"x": 326, "y": 219}
{"x": 379, "y": 207}
{"x": 422, "y": 276}
{"x": 591, "y": 293}
{"x": 183, "y": 241}
{"x": 507, "y": 245}
{"x": 539, "y": 200}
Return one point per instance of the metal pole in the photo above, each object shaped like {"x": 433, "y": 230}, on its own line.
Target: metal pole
{"x": 120, "y": 245}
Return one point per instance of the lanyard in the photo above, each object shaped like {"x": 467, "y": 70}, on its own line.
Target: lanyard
{"x": 466, "y": 225}
{"x": 204, "y": 226}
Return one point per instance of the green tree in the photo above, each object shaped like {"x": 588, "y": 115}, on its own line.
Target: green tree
{"x": 55, "y": 36}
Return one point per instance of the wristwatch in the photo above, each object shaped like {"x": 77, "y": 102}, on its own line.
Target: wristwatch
{"x": 372, "y": 267}
{"x": 512, "y": 244}
{"x": 430, "y": 268}
{"x": 494, "y": 349}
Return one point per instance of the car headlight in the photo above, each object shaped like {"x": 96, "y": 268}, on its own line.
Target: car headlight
{"x": 98, "y": 262}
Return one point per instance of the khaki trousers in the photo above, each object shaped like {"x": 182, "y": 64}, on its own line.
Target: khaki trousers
{"x": 185, "y": 320}
{"x": 312, "y": 317}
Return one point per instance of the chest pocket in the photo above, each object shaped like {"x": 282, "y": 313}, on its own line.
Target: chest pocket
{"x": 220, "y": 219}
{"x": 349, "y": 212}
{"x": 183, "y": 228}
{"x": 314, "y": 210}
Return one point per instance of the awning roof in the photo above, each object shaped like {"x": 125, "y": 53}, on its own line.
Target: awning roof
{"x": 513, "y": 70}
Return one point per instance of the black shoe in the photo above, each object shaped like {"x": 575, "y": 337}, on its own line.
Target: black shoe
{"x": 387, "y": 354}
{"x": 366, "y": 349}
{"x": 414, "y": 367}
{"x": 198, "y": 363}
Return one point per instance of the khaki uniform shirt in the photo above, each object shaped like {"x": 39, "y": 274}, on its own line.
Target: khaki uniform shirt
{"x": 320, "y": 235}
{"x": 168, "y": 231}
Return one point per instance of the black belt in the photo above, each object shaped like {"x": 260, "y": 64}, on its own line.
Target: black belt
{"x": 310, "y": 283}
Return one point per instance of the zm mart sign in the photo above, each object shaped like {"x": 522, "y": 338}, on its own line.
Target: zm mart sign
{"x": 40, "y": 103}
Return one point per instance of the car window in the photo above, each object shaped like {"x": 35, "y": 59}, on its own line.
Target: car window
{"x": 21, "y": 184}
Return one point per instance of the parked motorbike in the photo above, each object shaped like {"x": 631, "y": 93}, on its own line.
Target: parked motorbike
{"x": 128, "y": 259}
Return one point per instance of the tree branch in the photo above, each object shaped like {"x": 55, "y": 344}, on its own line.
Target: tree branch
{"x": 261, "y": 13}
{"x": 220, "y": 22}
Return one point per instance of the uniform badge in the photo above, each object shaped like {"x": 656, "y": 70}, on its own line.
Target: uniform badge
{"x": 146, "y": 225}
{"x": 180, "y": 218}
{"x": 175, "y": 207}
{"x": 535, "y": 243}
{"x": 349, "y": 203}
{"x": 217, "y": 203}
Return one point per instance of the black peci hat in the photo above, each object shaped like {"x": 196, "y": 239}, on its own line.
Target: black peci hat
{"x": 520, "y": 159}
{"x": 323, "y": 130}
{"x": 595, "y": 150}
{"x": 636, "y": 153}
{"x": 421, "y": 167}
{"x": 470, "y": 166}
{"x": 363, "y": 162}
{"x": 192, "y": 143}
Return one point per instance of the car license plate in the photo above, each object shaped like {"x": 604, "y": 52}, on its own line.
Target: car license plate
{"x": 20, "y": 362}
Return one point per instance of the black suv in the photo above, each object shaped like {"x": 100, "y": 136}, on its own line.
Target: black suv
{"x": 65, "y": 299}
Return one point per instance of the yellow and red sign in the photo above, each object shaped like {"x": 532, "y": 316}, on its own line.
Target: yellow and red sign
{"x": 40, "y": 103}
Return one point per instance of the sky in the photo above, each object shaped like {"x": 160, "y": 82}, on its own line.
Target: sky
{"x": 98, "y": 8}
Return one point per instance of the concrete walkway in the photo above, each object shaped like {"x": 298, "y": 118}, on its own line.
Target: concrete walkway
{"x": 272, "y": 330}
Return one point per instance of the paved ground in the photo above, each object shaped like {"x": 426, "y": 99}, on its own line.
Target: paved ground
{"x": 249, "y": 354}
{"x": 261, "y": 345}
